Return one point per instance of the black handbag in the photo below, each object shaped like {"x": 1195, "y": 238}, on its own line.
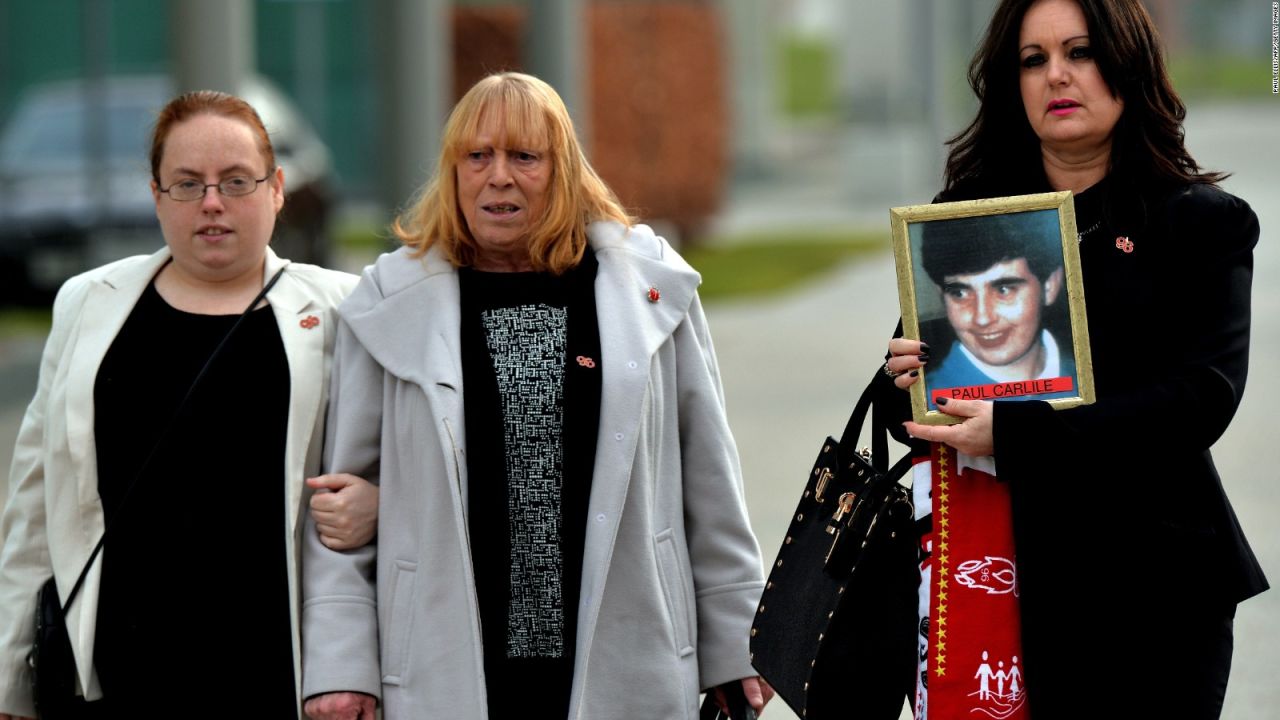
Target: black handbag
{"x": 51, "y": 659}
{"x": 736, "y": 704}
{"x": 53, "y": 666}
{"x": 835, "y": 631}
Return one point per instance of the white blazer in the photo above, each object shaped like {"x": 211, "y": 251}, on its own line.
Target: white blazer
{"x": 52, "y": 527}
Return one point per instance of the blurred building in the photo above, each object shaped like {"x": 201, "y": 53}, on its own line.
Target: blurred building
{"x": 679, "y": 101}
{"x": 647, "y": 81}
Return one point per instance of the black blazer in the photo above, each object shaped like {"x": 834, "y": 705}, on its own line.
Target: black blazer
{"x": 1169, "y": 326}
{"x": 1123, "y": 529}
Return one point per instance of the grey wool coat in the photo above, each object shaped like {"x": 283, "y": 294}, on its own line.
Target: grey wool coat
{"x": 671, "y": 571}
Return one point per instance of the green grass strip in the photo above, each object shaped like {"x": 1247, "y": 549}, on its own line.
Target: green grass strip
{"x": 731, "y": 267}
{"x": 17, "y": 322}
{"x": 768, "y": 264}
{"x": 1221, "y": 76}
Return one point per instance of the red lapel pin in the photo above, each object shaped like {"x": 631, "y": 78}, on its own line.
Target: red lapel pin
{"x": 1124, "y": 243}
{"x": 654, "y": 295}
{"x": 309, "y": 322}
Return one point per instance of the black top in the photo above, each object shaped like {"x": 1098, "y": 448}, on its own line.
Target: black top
{"x": 195, "y": 596}
{"x": 531, "y": 371}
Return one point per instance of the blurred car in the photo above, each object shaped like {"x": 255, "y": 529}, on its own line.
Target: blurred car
{"x": 75, "y": 180}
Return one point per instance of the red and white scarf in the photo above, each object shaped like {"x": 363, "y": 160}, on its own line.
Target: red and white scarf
{"x": 970, "y": 645}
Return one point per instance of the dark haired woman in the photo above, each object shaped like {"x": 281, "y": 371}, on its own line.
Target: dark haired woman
{"x": 1130, "y": 560}
{"x": 194, "y": 595}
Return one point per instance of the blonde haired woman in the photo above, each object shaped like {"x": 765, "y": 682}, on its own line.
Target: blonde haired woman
{"x": 532, "y": 382}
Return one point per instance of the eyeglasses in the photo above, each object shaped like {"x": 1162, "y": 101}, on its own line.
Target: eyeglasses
{"x": 235, "y": 186}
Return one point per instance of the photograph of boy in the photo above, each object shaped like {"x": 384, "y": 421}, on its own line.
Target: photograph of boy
{"x": 999, "y": 328}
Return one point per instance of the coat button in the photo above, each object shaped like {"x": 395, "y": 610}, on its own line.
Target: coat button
{"x": 633, "y": 365}
{"x": 600, "y": 517}
{"x": 617, "y": 436}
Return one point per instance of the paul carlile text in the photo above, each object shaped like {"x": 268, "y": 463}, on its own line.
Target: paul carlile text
{"x": 996, "y": 391}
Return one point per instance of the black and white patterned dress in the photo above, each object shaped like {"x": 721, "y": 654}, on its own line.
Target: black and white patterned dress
{"x": 531, "y": 378}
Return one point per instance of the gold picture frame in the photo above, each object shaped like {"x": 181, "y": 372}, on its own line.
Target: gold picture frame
{"x": 994, "y": 287}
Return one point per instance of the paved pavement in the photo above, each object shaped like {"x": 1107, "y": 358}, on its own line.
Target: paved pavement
{"x": 792, "y": 367}
{"x": 1245, "y": 140}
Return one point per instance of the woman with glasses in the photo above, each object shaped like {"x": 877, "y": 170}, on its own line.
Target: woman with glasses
{"x": 181, "y": 406}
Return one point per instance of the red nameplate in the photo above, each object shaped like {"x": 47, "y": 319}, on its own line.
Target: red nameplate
{"x": 996, "y": 391}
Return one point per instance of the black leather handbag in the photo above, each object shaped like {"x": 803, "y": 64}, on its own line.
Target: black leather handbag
{"x": 835, "y": 631}
{"x": 736, "y": 706}
{"x": 53, "y": 666}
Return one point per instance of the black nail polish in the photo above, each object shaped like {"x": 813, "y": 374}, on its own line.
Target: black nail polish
{"x": 914, "y": 373}
{"x": 942, "y": 401}
{"x": 924, "y": 347}
{"x": 923, "y": 357}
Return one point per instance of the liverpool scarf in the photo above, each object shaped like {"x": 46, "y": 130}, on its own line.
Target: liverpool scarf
{"x": 969, "y": 629}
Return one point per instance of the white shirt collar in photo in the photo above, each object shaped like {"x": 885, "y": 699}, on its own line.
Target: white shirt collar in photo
{"x": 1000, "y": 373}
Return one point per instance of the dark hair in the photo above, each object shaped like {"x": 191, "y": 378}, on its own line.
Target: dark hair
{"x": 961, "y": 246}
{"x": 207, "y": 102}
{"x": 1000, "y": 149}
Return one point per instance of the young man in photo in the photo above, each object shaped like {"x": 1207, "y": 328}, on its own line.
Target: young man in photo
{"x": 999, "y": 278}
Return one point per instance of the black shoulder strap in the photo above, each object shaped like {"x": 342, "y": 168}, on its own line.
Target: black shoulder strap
{"x": 879, "y": 434}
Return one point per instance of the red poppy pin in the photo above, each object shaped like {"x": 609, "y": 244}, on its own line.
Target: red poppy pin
{"x": 1124, "y": 243}
{"x": 309, "y": 322}
{"x": 654, "y": 295}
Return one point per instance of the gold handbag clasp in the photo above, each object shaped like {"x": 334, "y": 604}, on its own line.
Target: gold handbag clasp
{"x": 843, "y": 506}
{"x": 824, "y": 477}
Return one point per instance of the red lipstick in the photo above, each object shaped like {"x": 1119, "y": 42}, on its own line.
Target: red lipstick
{"x": 1062, "y": 106}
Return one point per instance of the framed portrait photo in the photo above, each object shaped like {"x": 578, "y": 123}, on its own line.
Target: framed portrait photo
{"x": 993, "y": 287}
